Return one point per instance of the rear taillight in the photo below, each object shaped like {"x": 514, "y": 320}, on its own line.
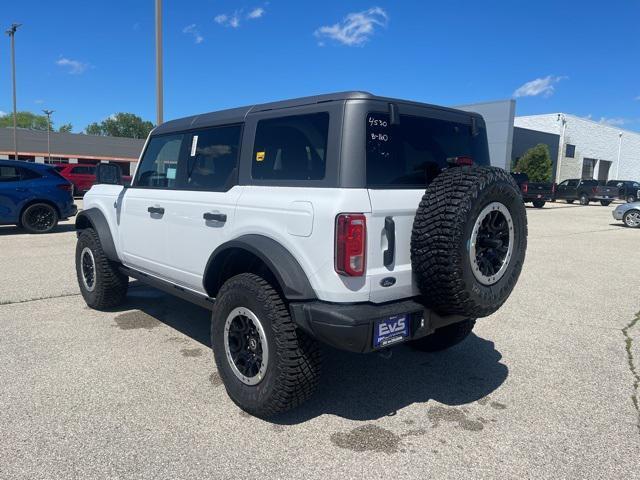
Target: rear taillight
{"x": 594, "y": 189}
{"x": 64, "y": 186}
{"x": 524, "y": 187}
{"x": 351, "y": 237}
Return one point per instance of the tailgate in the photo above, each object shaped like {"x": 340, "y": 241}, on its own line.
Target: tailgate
{"x": 607, "y": 191}
{"x": 395, "y": 208}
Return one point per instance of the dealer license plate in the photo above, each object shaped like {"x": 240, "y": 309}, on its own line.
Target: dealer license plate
{"x": 390, "y": 330}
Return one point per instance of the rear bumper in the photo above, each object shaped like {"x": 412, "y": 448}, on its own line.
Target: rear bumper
{"x": 351, "y": 326}
{"x": 545, "y": 197}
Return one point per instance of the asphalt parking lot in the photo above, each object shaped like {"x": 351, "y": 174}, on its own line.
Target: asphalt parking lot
{"x": 543, "y": 389}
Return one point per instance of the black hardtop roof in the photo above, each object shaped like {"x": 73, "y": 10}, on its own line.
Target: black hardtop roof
{"x": 238, "y": 115}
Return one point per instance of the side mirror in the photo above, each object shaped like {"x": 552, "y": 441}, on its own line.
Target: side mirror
{"x": 109, "y": 174}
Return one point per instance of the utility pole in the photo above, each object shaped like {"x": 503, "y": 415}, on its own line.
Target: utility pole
{"x": 11, "y": 31}
{"x": 48, "y": 114}
{"x": 159, "y": 92}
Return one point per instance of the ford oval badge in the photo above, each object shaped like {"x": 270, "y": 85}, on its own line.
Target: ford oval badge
{"x": 387, "y": 281}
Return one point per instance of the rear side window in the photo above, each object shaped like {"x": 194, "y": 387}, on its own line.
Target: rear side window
{"x": 572, "y": 183}
{"x": 159, "y": 164}
{"x": 213, "y": 158}
{"x": 9, "y": 174}
{"x": 84, "y": 170}
{"x": 412, "y": 153}
{"x": 28, "y": 174}
{"x": 291, "y": 148}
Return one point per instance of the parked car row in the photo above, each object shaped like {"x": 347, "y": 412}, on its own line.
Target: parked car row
{"x": 574, "y": 189}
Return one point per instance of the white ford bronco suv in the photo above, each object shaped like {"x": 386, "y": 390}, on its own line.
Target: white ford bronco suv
{"x": 349, "y": 219}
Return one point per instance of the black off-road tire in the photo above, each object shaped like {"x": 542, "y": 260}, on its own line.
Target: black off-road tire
{"x": 26, "y": 218}
{"x": 441, "y": 240}
{"x": 584, "y": 199}
{"x": 294, "y": 358}
{"x": 570, "y": 200}
{"x": 444, "y": 337}
{"x": 111, "y": 285}
{"x": 538, "y": 203}
{"x": 605, "y": 203}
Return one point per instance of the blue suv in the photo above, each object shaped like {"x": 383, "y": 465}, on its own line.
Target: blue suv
{"x": 33, "y": 196}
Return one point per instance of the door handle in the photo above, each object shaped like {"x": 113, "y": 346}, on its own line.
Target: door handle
{"x": 215, "y": 217}
{"x": 156, "y": 210}
{"x": 390, "y": 231}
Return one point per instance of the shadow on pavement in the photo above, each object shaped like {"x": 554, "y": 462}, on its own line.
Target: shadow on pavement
{"x": 13, "y": 230}
{"x": 356, "y": 386}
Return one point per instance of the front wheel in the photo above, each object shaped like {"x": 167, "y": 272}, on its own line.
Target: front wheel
{"x": 444, "y": 337}
{"x": 605, "y": 203}
{"x": 538, "y": 203}
{"x": 584, "y": 199}
{"x": 632, "y": 218}
{"x": 102, "y": 285}
{"x": 39, "y": 218}
{"x": 266, "y": 363}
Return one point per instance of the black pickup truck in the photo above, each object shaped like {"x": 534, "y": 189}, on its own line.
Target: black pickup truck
{"x": 628, "y": 190}
{"x": 586, "y": 191}
{"x": 537, "y": 193}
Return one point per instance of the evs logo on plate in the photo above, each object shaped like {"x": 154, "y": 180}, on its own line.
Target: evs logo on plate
{"x": 391, "y": 330}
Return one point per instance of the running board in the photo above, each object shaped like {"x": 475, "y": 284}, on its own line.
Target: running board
{"x": 170, "y": 288}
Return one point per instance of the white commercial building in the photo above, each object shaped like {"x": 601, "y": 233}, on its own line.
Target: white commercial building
{"x": 588, "y": 149}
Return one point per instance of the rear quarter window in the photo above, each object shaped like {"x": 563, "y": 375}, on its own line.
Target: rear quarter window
{"x": 412, "y": 153}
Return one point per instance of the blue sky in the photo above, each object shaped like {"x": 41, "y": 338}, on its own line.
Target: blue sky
{"x": 88, "y": 60}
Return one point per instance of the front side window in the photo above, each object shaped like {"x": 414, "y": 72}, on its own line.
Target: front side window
{"x": 414, "y": 152}
{"x": 213, "y": 158}
{"x": 159, "y": 164}
{"x": 291, "y": 148}
{"x": 572, "y": 183}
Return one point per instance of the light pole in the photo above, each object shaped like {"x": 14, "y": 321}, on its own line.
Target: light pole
{"x": 561, "y": 147}
{"x": 619, "y": 152}
{"x": 11, "y": 31}
{"x": 48, "y": 114}
{"x": 159, "y": 100}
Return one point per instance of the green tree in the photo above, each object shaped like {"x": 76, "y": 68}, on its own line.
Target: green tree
{"x": 121, "y": 125}
{"x": 536, "y": 163}
{"x": 25, "y": 120}
{"x": 66, "y": 128}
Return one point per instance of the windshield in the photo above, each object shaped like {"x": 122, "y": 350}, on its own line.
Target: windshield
{"x": 413, "y": 153}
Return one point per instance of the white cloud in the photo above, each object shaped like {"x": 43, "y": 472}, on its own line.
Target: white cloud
{"x": 194, "y": 32}
{"x": 614, "y": 121}
{"x": 74, "y": 67}
{"x": 2, "y": 114}
{"x": 234, "y": 19}
{"x": 38, "y": 101}
{"x": 355, "y": 29}
{"x": 540, "y": 86}
{"x": 256, "y": 13}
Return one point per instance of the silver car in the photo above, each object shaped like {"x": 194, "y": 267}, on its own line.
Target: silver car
{"x": 629, "y": 213}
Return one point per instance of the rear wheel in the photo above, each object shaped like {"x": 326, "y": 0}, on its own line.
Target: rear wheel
{"x": 605, "y": 203}
{"x": 632, "y": 218}
{"x": 39, "y": 218}
{"x": 266, "y": 363}
{"x": 584, "y": 199}
{"x": 538, "y": 203}
{"x": 102, "y": 285}
{"x": 445, "y": 337}
{"x": 469, "y": 240}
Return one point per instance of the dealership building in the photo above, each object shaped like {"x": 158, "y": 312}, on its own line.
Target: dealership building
{"x": 70, "y": 148}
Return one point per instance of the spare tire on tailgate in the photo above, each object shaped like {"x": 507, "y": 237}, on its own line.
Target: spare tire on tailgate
{"x": 469, "y": 240}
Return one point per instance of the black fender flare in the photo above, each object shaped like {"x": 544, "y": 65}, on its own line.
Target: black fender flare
{"x": 94, "y": 218}
{"x": 292, "y": 280}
